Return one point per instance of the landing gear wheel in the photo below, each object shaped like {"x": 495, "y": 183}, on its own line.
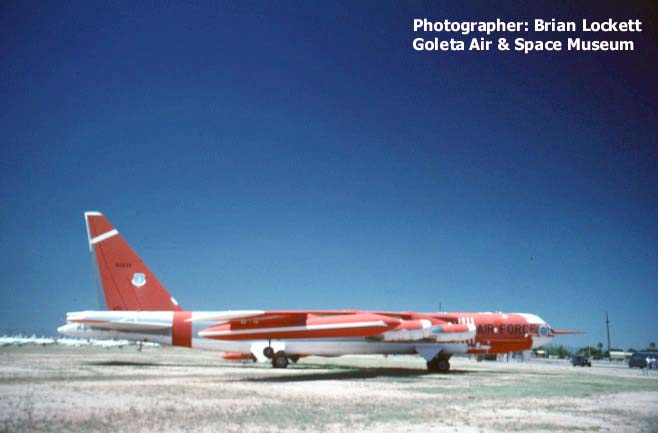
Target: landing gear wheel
{"x": 268, "y": 352}
{"x": 280, "y": 360}
{"x": 439, "y": 365}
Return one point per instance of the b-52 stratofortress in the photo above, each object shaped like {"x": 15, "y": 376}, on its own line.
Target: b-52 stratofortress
{"x": 139, "y": 308}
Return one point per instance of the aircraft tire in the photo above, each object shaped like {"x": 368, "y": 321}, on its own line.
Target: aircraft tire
{"x": 280, "y": 360}
{"x": 268, "y": 352}
{"x": 443, "y": 365}
{"x": 438, "y": 365}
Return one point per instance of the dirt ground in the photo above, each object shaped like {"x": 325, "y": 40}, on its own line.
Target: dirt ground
{"x": 88, "y": 389}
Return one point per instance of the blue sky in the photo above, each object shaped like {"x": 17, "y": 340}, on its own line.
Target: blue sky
{"x": 290, "y": 155}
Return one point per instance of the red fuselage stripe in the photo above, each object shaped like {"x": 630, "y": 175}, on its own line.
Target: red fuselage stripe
{"x": 181, "y": 332}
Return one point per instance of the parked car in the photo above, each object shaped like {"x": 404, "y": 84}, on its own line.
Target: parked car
{"x": 639, "y": 359}
{"x": 581, "y": 361}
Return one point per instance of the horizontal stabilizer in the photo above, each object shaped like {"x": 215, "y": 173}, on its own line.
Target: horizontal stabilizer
{"x": 222, "y": 316}
{"x": 121, "y": 320}
{"x": 126, "y": 326}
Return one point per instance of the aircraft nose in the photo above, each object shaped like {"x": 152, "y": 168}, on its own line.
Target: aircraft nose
{"x": 545, "y": 335}
{"x": 545, "y": 330}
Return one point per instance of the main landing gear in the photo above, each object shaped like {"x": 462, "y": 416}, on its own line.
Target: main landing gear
{"x": 439, "y": 364}
{"x": 279, "y": 359}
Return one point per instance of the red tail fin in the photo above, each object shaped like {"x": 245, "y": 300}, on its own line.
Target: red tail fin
{"x": 127, "y": 283}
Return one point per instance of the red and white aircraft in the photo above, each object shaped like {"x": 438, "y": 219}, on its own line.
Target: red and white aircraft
{"x": 140, "y": 308}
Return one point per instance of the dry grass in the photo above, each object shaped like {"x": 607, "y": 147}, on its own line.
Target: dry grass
{"x": 87, "y": 389}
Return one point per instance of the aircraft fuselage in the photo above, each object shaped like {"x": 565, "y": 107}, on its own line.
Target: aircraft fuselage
{"x": 493, "y": 333}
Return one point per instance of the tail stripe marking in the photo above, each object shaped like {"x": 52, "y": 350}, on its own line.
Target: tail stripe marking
{"x": 104, "y": 236}
{"x": 181, "y": 331}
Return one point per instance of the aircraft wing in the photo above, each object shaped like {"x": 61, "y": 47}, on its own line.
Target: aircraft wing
{"x": 386, "y": 326}
{"x": 128, "y": 326}
{"x": 302, "y": 324}
{"x": 270, "y": 314}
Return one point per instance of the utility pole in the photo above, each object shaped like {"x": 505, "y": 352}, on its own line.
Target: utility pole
{"x": 607, "y": 327}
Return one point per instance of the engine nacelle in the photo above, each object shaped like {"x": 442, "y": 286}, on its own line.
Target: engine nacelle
{"x": 453, "y": 332}
{"x": 409, "y": 330}
{"x": 423, "y": 329}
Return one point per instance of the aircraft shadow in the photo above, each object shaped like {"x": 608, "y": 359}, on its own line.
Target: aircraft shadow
{"x": 352, "y": 374}
{"x": 122, "y": 364}
{"x": 305, "y": 373}
{"x": 142, "y": 364}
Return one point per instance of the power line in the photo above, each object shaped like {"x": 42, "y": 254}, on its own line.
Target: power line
{"x": 607, "y": 327}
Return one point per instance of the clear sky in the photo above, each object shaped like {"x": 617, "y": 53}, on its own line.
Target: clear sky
{"x": 303, "y": 155}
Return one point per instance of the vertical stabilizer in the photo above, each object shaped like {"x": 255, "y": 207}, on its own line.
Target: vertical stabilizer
{"x": 126, "y": 282}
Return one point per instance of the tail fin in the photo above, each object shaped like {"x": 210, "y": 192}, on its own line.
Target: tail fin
{"x": 127, "y": 283}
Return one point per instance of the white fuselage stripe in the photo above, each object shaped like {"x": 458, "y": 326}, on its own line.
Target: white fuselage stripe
{"x": 104, "y": 236}
{"x": 294, "y": 328}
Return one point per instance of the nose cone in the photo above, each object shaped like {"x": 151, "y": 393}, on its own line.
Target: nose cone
{"x": 545, "y": 335}
{"x": 541, "y": 331}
